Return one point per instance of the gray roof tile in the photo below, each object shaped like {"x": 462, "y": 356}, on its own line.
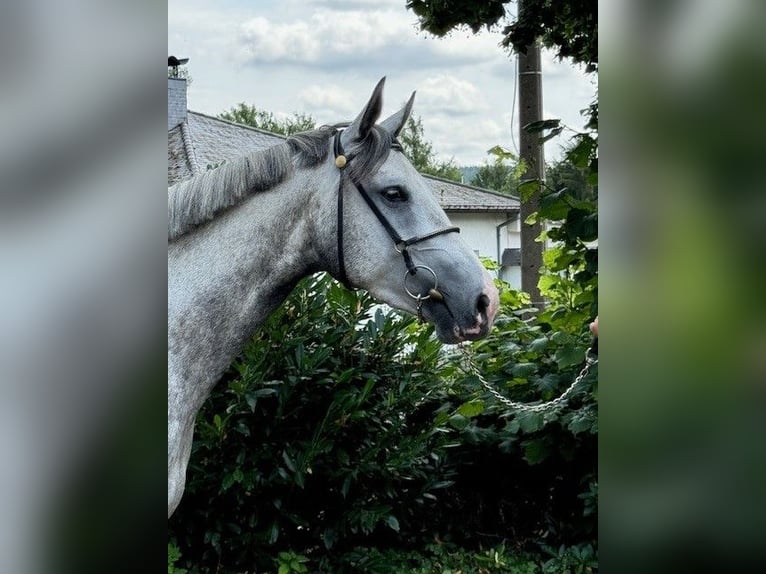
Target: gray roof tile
{"x": 455, "y": 196}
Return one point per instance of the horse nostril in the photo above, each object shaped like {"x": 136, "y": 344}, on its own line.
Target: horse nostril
{"x": 482, "y": 304}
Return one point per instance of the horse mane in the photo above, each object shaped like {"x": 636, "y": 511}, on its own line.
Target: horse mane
{"x": 199, "y": 199}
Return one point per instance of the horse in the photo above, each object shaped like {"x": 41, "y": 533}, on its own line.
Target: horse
{"x": 341, "y": 199}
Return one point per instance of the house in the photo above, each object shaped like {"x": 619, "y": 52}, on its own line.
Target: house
{"x": 489, "y": 221}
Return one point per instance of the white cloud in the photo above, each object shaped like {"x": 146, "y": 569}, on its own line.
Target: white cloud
{"x": 348, "y": 39}
{"x": 465, "y": 138}
{"x": 328, "y": 102}
{"x": 322, "y": 37}
{"x": 324, "y": 57}
{"x": 263, "y": 41}
{"x": 447, "y": 94}
{"x": 357, "y": 4}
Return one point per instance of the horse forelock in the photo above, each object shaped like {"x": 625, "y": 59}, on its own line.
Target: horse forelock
{"x": 197, "y": 200}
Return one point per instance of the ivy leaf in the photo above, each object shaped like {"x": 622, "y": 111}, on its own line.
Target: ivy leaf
{"x": 393, "y": 523}
{"x": 554, "y": 206}
{"x": 523, "y": 370}
{"x": 535, "y": 451}
{"x": 554, "y": 132}
{"x": 288, "y": 461}
{"x": 471, "y": 408}
{"x": 458, "y": 421}
{"x": 329, "y": 538}
{"x": 568, "y": 356}
{"x": 580, "y": 153}
{"x": 345, "y": 486}
{"x": 227, "y": 481}
{"x": 530, "y": 421}
{"x": 538, "y": 345}
{"x": 501, "y": 153}
{"x": 548, "y": 382}
{"x": 528, "y": 189}
{"x": 540, "y": 125}
{"x": 581, "y": 422}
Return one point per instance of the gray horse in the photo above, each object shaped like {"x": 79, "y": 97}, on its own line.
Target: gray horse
{"x": 345, "y": 201}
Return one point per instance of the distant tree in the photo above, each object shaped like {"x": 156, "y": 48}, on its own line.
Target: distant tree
{"x": 446, "y": 170}
{"x": 250, "y": 115}
{"x": 421, "y": 153}
{"x": 419, "y": 150}
{"x": 502, "y": 174}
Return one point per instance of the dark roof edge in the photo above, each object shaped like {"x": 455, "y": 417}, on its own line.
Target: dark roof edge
{"x": 479, "y": 209}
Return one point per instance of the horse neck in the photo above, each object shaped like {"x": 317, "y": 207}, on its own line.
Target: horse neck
{"x": 226, "y": 277}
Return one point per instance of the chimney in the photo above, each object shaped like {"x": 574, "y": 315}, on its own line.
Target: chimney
{"x": 176, "y": 92}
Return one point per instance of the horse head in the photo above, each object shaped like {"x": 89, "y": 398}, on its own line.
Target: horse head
{"x": 394, "y": 239}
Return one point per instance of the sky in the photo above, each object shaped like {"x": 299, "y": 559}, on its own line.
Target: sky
{"x": 323, "y": 58}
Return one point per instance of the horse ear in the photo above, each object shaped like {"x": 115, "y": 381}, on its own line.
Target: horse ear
{"x": 395, "y": 123}
{"x": 365, "y": 121}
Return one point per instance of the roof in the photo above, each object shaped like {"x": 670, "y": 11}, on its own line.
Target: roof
{"x": 454, "y": 196}
{"x": 203, "y": 141}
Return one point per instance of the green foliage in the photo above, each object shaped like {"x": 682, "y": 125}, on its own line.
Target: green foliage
{"x": 569, "y": 27}
{"x": 318, "y": 436}
{"x": 421, "y": 153}
{"x": 291, "y": 563}
{"x": 174, "y": 555}
{"x": 568, "y": 203}
{"x": 435, "y": 558}
{"x": 572, "y": 212}
{"x": 566, "y": 175}
{"x": 502, "y": 174}
{"x": 445, "y": 170}
{"x": 446, "y": 558}
{"x": 412, "y": 138}
{"x": 250, "y": 115}
{"x": 343, "y": 427}
{"x": 580, "y": 559}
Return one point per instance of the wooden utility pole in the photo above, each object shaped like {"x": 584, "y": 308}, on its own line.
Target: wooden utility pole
{"x": 531, "y": 152}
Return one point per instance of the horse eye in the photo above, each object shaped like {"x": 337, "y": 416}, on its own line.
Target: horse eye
{"x": 394, "y": 194}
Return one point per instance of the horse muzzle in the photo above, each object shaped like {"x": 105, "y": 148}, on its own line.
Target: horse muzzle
{"x": 457, "y": 318}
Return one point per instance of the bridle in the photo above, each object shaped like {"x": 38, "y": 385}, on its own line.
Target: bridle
{"x": 400, "y": 245}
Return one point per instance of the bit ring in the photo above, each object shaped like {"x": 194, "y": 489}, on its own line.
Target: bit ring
{"x": 420, "y": 297}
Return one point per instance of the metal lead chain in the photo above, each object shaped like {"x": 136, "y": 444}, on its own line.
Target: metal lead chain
{"x": 524, "y": 407}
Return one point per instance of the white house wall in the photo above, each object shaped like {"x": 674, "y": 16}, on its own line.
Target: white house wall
{"x": 479, "y": 230}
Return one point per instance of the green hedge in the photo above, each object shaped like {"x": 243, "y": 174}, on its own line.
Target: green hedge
{"x": 343, "y": 427}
